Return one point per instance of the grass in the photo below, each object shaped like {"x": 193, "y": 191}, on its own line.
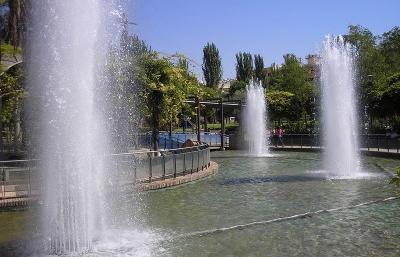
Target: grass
{"x": 396, "y": 179}
{"x": 217, "y": 126}
{"x": 7, "y": 49}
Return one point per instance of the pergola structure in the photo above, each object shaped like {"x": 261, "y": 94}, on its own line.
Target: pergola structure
{"x": 214, "y": 103}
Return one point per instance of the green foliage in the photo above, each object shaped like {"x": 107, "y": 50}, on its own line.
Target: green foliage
{"x": 279, "y": 103}
{"x": 212, "y": 69}
{"x": 387, "y": 100}
{"x": 236, "y": 86}
{"x": 396, "y": 180}
{"x": 244, "y": 67}
{"x": 228, "y": 126}
{"x": 7, "y": 49}
{"x": 390, "y": 48}
{"x": 12, "y": 98}
{"x": 183, "y": 64}
{"x": 175, "y": 84}
{"x": 259, "y": 75}
{"x": 370, "y": 60}
{"x": 290, "y": 78}
{"x": 11, "y": 90}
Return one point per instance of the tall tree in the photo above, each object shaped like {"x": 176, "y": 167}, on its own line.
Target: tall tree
{"x": 17, "y": 21}
{"x": 244, "y": 67}
{"x": 390, "y": 47}
{"x": 370, "y": 60}
{"x": 212, "y": 69}
{"x": 259, "y": 75}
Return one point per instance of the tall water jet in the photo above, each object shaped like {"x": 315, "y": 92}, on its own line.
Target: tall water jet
{"x": 65, "y": 50}
{"x": 339, "y": 108}
{"x": 255, "y": 120}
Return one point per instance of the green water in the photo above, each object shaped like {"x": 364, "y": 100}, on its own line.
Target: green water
{"x": 257, "y": 189}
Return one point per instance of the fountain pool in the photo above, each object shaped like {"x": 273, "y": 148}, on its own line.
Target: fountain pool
{"x": 250, "y": 189}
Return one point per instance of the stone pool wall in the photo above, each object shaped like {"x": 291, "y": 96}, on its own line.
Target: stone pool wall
{"x": 171, "y": 182}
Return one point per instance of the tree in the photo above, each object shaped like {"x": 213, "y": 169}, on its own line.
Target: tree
{"x": 17, "y": 21}
{"x": 279, "y": 103}
{"x": 212, "y": 69}
{"x": 387, "y": 104}
{"x": 390, "y": 48}
{"x": 244, "y": 67}
{"x": 370, "y": 61}
{"x": 155, "y": 100}
{"x": 259, "y": 75}
{"x": 12, "y": 94}
{"x": 236, "y": 86}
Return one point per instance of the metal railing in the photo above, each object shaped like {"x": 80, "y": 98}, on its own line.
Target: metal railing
{"x": 147, "y": 166}
{"x": 21, "y": 178}
{"x": 370, "y": 142}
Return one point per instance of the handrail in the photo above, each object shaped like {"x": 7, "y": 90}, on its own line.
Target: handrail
{"x": 24, "y": 180}
{"x": 19, "y": 161}
{"x": 161, "y": 150}
{"x": 318, "y": 134}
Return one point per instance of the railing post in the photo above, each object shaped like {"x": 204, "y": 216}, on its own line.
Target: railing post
{"x": 134, "y": 174}
{"x": 3, "y": 179}
{"x": 198, "y": 158}
{"x": 301, "y": 140}
{"x": 291, "y": 140}
{"x": 191, "y": 170}
{"x": 184, "y": 163}
{"x": 198, "y": 119}
{"x": 377, "y": 141}
{"x": 150, "y": 167}
{"x": 202, "y": 165}
{"x": 29, "y": 181}
{"x": 209, "y": 157}
{"x": 163, "y": 165}
{"x": 387, "y": 143}
{"x": 174, "y": 156}
{"x": 222, "y": 126}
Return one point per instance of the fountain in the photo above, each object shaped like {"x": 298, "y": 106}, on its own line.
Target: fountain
{"x": 339, "y": 108}
{"x": 64, "y": 56}
{"x": 255, "y": 120}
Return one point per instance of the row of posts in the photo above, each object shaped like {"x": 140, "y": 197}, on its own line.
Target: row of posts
{"x": 196, "y": 150}
{"x": 222, "y": 134}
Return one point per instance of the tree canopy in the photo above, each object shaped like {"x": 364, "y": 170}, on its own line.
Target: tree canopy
{"x": 244, "y": 67}
{"x": 212, "y": 69}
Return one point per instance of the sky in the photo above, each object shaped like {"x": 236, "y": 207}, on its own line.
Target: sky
{"x": 270, "y": 28}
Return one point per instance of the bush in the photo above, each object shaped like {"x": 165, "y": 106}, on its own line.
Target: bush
{"x": 396, "y": 180}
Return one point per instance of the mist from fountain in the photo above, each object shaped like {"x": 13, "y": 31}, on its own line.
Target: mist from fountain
{"x": 339, "y": 110}
{"x": 255, "y": 121}
{"x": 65, "y": 52}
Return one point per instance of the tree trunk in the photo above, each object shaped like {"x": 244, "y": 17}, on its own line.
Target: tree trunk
{"x": 155, "y": 100}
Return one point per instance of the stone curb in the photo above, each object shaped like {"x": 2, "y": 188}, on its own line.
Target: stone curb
{"x": 171, "y": 182}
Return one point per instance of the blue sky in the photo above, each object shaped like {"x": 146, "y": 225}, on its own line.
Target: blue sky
{"x": 269, "y": 28}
